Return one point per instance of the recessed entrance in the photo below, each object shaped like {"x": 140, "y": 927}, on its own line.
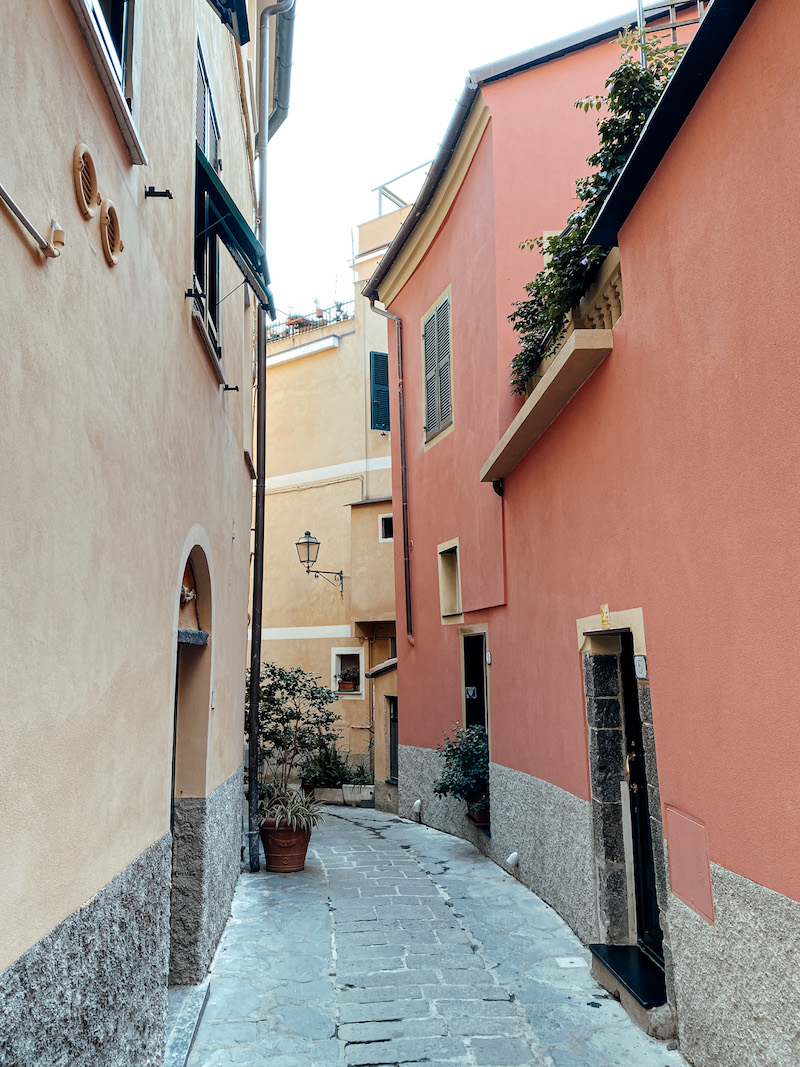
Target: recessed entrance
{"x": 626, "y": 810}
{"x": 474, "y": 679}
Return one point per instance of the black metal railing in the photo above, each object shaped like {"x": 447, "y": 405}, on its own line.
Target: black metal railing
{"x": 293, "y": 324}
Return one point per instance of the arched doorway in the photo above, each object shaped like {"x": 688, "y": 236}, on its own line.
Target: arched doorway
{"x": 188, "y": 951}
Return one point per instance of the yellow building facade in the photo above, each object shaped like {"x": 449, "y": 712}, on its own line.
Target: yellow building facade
{"x": 329, "y": 473}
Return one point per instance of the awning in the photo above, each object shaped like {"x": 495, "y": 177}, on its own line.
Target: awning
{"x": 233, "y": 13}
{"x": 230, "y": 226}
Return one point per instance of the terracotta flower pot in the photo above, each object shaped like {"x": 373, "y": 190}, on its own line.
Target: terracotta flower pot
{"x": 284, "y": 849}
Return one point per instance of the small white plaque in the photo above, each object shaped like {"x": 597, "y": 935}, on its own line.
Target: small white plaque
{"x": 571, "y": 961}
{"x": 640, "y": 666}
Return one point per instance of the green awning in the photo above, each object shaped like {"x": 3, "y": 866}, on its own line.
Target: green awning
{"x": 230, "y": 226}
{"x": 233, "y": 13}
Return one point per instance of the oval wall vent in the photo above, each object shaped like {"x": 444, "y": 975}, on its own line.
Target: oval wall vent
{"x": 109, "y": 232}
{"x": 84, "y": 176}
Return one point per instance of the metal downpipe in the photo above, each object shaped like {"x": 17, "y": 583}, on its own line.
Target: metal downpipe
{"x": 261, "y": 438}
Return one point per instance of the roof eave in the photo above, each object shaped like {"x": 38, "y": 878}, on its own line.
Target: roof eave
{"x": 721, "y": 23}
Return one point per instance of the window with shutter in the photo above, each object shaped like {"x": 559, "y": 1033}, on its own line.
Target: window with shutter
{"x": 438, "y": 392}
{"x": 379, "y": 391}
{"x": 206, "y": 246}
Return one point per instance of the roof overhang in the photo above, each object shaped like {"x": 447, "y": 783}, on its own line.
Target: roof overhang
{"x": 232, "y": 229}
{"x": 721, "y": 23}
{"x": 382, "y": 668}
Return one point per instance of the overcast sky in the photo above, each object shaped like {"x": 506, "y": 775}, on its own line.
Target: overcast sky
{"x": 374, "y": 85}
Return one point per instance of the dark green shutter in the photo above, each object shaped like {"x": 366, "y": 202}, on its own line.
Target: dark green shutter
{"x": 379, "y": 377}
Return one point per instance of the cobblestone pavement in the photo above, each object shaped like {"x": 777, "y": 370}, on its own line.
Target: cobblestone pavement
{"x": 399, "y": 944}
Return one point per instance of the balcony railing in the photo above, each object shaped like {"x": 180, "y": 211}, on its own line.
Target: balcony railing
{"x": 294, "y": 324}
{"x": 599, "y": 310}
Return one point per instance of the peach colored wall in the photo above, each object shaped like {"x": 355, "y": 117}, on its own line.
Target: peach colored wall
{"x": 504, "y": 198}
{"x": 720, "y": 450}
{"x": 120, "y": 454}
{"x": 667, "y": 484}
{"x": 541, "y": 141}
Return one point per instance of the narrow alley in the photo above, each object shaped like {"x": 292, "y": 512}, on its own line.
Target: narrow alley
{"x": 402, "y": 944}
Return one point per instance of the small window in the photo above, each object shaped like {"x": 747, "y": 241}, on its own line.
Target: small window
{"x": 113, "y": 20}
{"x": 449, "y": 580}
{"x": 385, "y": 528}
{"x": 393, "y": 648}
{"x": 379, "y": 390}
{"x": 348, "y": 675}
{"x": 436, "y": 350}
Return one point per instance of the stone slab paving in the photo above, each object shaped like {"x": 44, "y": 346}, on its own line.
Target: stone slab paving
{"x": 399, "y": 944}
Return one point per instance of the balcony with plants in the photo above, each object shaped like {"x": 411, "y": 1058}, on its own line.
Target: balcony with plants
{"x": 565, "y": 325}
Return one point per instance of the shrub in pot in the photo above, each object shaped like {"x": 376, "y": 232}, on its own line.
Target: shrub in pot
{"x": 465, "y": 755}
{"x": 296, "y": 719}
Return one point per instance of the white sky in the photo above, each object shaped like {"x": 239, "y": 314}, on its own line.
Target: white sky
{"x": 374, "y": 85}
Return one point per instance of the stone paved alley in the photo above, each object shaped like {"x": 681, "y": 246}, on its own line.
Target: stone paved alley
{"x": 401, "y": 944}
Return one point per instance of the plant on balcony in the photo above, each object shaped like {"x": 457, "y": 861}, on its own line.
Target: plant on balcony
{"x": 465, "y": 754}
{"x": 632, "y": 91}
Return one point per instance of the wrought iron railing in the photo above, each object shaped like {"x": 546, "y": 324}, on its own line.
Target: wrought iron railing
{"x": 293, "y": 324}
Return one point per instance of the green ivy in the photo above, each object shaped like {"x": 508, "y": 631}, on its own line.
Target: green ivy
{"x": 632, "y": 91}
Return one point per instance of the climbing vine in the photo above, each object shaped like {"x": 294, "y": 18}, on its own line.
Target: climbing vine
{"x": 631, "y": 93}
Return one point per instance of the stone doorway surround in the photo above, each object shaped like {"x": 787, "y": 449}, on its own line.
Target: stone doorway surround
{"x": 612, "y": 834}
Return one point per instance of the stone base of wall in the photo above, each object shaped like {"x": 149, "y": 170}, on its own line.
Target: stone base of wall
{"x": 386, "y": 797}
{"x": 549, "y": 828}
{"x": 93, "y": 990}
{"x": 737, "y": 983}
{"x": 206, "y": 862}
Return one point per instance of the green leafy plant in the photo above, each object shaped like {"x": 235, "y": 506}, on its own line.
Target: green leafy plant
{"x": 465, "y": 753}
{"x": 296, "y": 718}
{"x": 358, "y": 774}
{"x": 327, "y": 768}
{"x": 350, "y": 675}
{"x": 296, "y": 811}
{"x": 632, "y": 91}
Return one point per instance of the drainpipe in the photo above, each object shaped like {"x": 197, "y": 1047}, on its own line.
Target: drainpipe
{"x": 261, "y": 438}
{"x": 403, "y": 466}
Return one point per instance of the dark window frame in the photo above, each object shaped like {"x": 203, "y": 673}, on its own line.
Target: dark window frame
{"x": 379, "y": 391}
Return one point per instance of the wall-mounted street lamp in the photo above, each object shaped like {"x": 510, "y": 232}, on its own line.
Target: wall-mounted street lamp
{"x": 308, "y": 550}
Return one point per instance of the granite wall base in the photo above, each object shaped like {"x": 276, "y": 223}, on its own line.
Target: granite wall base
{"x": 737, "y": 982}
{"x": 549, "y": 828}
{"x": 386, "y": 797}
{"x": 206, "y": 862}
{"x": 93, "y": 990}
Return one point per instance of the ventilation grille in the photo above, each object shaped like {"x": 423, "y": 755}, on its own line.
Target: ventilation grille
{"x": 110, "y": 233}
{"x": 84, "y": 176}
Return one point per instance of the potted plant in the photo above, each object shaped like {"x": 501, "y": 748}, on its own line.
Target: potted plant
{"x": 358, "y": 786}
{"x": 349, "y": 679}
{"x": 465, "y": 754}
{"x": 295, "y": 720}
{"x": 323, "y": 772}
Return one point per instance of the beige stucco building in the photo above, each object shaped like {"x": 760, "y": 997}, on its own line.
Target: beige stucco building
{"x": 329, "y": 472}
{"x": 125, "y": 510}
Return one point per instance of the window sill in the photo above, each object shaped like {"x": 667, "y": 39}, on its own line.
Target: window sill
{"x": 208, "y": 346}
{"x": 108, "y": 78}
{"x": 581, "y": 355}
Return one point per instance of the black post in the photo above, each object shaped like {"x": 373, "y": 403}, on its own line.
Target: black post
{"x": 258, "y": 586}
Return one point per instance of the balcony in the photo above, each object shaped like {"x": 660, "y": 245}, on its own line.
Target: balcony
{"x": 294, "y": 324}
{"x": 583, "y": 345}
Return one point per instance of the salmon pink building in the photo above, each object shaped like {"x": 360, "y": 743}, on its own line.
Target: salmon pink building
{"x": 604, "y": 573}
